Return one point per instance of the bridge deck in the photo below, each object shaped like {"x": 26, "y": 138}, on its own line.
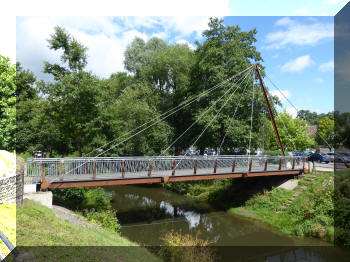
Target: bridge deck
{"x": 65, "y": 173}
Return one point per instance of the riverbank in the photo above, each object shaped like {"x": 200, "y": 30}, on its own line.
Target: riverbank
{"x": 7, "y": 225}
{"x": 305, "y": 211}
{"x": 39, "y": 227}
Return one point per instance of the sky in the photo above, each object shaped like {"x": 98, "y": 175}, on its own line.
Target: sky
{"x": 295, "y": 38}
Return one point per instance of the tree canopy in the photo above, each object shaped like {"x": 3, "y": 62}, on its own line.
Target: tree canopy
{"x": 81, "y": 114}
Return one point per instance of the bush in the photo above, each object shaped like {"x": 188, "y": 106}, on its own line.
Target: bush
{"x": 106, "y": 218}
{"x": 185, "y": 248}
{"x": 82, "y": 198}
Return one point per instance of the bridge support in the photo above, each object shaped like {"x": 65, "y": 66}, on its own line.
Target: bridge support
{"x": 269, "y": 108}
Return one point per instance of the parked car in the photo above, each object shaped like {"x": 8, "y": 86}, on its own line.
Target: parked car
{"x": 191, "y": 152}
{"x": 209, "y": 152}
{"x": 318, "y": 157}
{"x": 331, "y": 156}
{"x": 342, "y": 157}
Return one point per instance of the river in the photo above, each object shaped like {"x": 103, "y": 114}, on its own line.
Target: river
{"x": 147, "y": 213}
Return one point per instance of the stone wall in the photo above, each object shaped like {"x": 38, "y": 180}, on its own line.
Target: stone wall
{"x": 12, "y": 186}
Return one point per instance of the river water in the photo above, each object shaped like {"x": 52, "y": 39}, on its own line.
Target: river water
{"x": 147, "y": 213}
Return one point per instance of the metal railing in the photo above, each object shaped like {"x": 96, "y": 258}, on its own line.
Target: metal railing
{"x": 129, "y": 167}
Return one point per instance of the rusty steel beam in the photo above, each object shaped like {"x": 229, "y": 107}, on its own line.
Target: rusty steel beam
{"x": 98, "y": 183}
{"x": 195, "y": 167}
{"x": 234, "y": 165}
{"x": 95, "y": 183}
{"x": 173, "y": 168}
{"x": 269, "y": 108}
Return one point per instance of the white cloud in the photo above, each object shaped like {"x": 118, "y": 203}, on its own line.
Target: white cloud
{"x": 282, "y": 97}
{"x": 318, "y": 80}
{"x": 275, "y": 56}
{"x": 185, "y": 42}
{"x": 8, "y": 37}
{"x": 301, "y": 11}
{"x": 298, "y": 64}
{"x": 292, "y": 111}
{"x": 326, "y": 67}
{"x": 296, "y": 33}
{"x": 105, "y": 37}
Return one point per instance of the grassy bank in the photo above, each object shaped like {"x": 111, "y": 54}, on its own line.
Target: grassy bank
{"x": 39, "y": 226}
{"x": 309, "y": 214}
{"x": 7, "y": 225}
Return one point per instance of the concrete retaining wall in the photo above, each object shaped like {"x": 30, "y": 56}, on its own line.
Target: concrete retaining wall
{"x": 11, "y": 189}
{"x": 12, "y": 186}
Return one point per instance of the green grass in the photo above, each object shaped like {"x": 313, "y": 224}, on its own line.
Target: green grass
{"x": 7, "y": 225}
{"x": 311, "y": 214}
{"x": 39, "y": 226}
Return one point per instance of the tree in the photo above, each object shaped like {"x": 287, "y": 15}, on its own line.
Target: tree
{"x": 293, "y": 132}
{"x": 325, "y": 133}
{"x": 7, "y": 104}
{"x": 136, "y": 106}
{"x": 139, "y": 53}
{"x": 74, "y": 95}
{"x": 27, "y": 101}
{"x": 225, "y": 52}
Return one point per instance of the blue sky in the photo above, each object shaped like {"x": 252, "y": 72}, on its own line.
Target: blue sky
{"x": 297, "y": 50}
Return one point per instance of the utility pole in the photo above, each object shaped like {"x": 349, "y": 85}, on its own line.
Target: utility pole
{"x": 269, "y": 108}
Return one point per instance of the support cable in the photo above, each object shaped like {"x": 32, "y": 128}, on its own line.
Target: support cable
{"x": 251, "y": 121}
{"x": 283, "y": 123}
{"x": 147, "y": 127}
{"x": 174, "y": 110}
{"x": 233, "y": 116}
{"x": 200, "y": 117}
{"x": 210, "y": 122}
{"x": 297, "y": 110}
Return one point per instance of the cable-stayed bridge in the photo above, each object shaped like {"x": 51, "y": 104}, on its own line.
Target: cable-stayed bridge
{"x": 102, "y": 171}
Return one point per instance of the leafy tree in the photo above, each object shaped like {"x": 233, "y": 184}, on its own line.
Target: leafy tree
{"x": 225, "y": 52}
{"x": 135, "y": 107}
{"x": 74, "y": 95}
{"x": 139, "y": 53}
{"x": 25, "y": 81}
{"x": 293, "y": 132}
{"x": 7, "y": 104}
{"x": 325, "y": 133}
{"x": 26, "y": 109}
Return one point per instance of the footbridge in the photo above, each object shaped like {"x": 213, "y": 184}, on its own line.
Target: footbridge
{"x": 107, "y": 171}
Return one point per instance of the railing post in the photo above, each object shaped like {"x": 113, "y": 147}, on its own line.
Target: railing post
{"x": 173, "y": 168}
{"x": 86, "y": 167}
{"x": 195, "y": 166}
{"x": 94, "y": 170}
{"x": 134, "y": 166}
{"x": 304, "y": 161}
{"x": 215, "y": 165}
{"x": 150, "y": 167}
{"x": 62, "y": 169}
{"x": 250, "y": 164}
{"x": 265, "y": 167}
{"x": 234, "y": 160}
{"x": 293, "y": 166}
{"x": 123, "y": 169}
{"x": 280, "y": 164}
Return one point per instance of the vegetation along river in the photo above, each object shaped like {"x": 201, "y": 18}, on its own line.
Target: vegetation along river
{"x": 147, "y": 213}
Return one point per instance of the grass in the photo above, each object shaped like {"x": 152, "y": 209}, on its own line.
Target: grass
{"x": 7, "y": 225}
{"x": 311, "y": 214}
{"x": 39, "y": 226}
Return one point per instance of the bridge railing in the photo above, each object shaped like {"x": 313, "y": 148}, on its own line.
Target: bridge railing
{"x": 130, "y": 167}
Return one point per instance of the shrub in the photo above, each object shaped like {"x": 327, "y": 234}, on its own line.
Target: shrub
{"x": 105, "y": 218}
{"x": 185, "y": 248}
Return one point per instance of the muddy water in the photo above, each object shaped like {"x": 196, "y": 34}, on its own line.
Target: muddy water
{"x": 147, "y": 213}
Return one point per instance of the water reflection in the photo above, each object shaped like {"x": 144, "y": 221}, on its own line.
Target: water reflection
{"x": 148, "y": 213}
